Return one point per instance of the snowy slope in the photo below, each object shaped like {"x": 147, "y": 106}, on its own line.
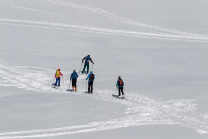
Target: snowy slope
{"x": 158, "y": 48}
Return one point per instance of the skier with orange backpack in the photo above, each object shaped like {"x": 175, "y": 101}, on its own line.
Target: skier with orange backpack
{"x": 120, "y": 85}
{"x": 91, "y": 78}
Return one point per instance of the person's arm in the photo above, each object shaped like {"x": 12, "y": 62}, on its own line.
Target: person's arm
{"x": 88, "y": 76}
{"x": 123, "y": 83}
{"x": 91, "y": 60}
{"x": 61, "y": 74}
{"x": 117, "y": 83}
{"x": 83, "y": 59}
{"x": 70, "y": 77}
{"x": 77, "y": 75}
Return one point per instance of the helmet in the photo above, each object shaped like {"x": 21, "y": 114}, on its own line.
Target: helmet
{"x": 59, "y": 69}
{"x": 91, "y": 72}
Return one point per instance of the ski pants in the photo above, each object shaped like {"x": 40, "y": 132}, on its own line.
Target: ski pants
{"x": 74, "y": 82}
{"x": 120, "y": 90}
{"x": 90, "y": 87}
{"x": 57, "y": 81}
{"x": 86, "y": 65}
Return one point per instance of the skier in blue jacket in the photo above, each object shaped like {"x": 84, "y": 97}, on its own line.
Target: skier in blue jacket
{"x": 120, "y": 85}
{"x": 91, "y": 78}
{"x": 74, "y": 77}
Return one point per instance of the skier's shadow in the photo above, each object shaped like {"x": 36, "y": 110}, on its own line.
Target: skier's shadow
{"x": 71, "y": 90}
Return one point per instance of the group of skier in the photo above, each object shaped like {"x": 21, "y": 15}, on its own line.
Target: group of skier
{"x": 90, "y": 78}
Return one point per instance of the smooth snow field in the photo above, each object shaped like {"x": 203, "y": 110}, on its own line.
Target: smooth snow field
{"x": 158, "y": 47}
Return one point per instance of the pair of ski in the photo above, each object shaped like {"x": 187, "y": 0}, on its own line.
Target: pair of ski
{"x": 119, "y": 97}
{"x": 53, "y": 86}
{"x": 71, "y": 90}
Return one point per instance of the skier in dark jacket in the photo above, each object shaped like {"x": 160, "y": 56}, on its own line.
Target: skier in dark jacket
{"x": 87, "y": 59}
{"x": 120, "y": 85}
{"x": 91, "y": 78}
{"x": 74, "y": 77}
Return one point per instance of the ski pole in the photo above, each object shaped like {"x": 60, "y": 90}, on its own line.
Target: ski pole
{"x": 86, "y": 85}
{"x": 63, "y": 80}
{"x": 91, "y": 67}
{"x": 80, "y": 69}
{"x": 69, "y": 85}
{"x": 53, "y": 80}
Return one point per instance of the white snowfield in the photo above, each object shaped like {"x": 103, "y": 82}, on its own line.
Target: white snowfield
{"x": 163, "y": 65}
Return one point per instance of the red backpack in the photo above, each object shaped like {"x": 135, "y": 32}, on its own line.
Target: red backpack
{"x": 120, "y": 82}
{"x": 92, "y": 77}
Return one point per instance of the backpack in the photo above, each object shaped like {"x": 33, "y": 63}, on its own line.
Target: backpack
{"x": 74, "y": 76}
{"x": 92, "y": 77}
{"x": 120, "y": 82}
{"x": 87, "y": 59}
{"x": 57, "y": 74}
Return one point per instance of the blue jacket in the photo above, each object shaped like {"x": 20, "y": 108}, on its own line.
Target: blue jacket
{"x": 120, "y": 86}
{"x": 88, "y": 77}
{"x": 74, "y": 76}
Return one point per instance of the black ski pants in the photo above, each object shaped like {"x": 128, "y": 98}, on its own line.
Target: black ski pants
{"x": 120, "y": 90}
{"x": 90, "y": 87}
{"x": 74, "y": 82}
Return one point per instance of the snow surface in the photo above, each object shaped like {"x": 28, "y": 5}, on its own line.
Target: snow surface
{"x": 159, "y": 48}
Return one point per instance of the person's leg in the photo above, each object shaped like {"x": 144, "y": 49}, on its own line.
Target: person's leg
{"x": 88, "y": 87}
{"x": 84, "y": 67}
{"x": 119, "y": 91}
{"x": 87, "y": 67}
{"x": 56, "y": 81}
{"x": 122, "y": 91}
{"x": 91, "y": 87}
{"x": 75, "y": 84}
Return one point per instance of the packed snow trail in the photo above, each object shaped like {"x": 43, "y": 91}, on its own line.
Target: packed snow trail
{"x": 142, "y": 110}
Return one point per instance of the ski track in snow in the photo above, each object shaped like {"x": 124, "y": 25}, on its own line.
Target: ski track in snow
{"x": 142, "y": 110}
{"x": 121, "y": 20}
{"x": 37, "y": 10}
{"x": 88, "y": 29}
{"x": 161, "y": 32}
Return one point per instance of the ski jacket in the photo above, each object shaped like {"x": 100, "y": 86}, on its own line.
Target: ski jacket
{"x": 88, "y": 77}
{"x": 118, "y": 82}
{"x": 87, "y": 59}
{"x": 74, "y": 76}
{"x": 58, "y": 73}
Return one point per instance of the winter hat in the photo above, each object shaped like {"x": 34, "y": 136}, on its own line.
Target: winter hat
{"x": 91, "y": 72}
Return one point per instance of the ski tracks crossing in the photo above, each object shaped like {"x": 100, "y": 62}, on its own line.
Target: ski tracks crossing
{"x": 141, "y": 109}
{"x": 147, "y": 31}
